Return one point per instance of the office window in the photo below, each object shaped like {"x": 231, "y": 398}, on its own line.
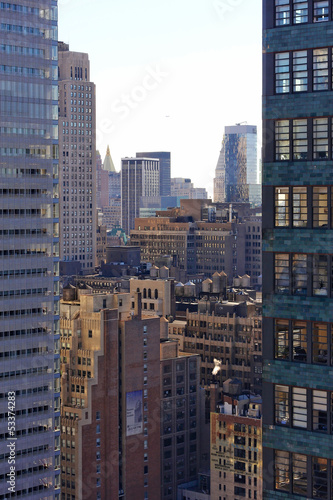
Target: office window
{"x": 282, "y": 12}
{"x": 282, "y": 404}
{"x": 320, "y": 69}
{"x": 299, "y": 273}
{"x": 319, "y": 411}
{"x": 320, "y": 275}
{"x": 319, "y": 343}
{"x": 281, "y": 339}
{"x": 282, "y": 142}
{"x": 299, "y": 341}
{"x": 282, "y": 278}
{"x": 301, "y": 11}
{"x": 319, "y": 477}
{"x": 282, "y": 470}
{"x": 282, "y": 74}
{"x": 300, "y": 207}
{"x": 300, "y": 140}
{"x": 299, "y": 407}
{"x": 281, "y": 207}
{"x": 299, "y": 463}
{"x": 320, "y": 206}
{"x": 320, "y": 138}
{"x": 300, "y": 71}
{"x": 320, "y": 11}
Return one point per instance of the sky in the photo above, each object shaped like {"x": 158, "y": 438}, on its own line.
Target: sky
{"x": 169, "y": 75}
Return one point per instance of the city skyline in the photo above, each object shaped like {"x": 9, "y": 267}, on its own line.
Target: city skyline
{"x": 148, "y": 88}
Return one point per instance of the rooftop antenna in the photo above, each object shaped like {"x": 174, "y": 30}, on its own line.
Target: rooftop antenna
{"x": 241, "y": 123}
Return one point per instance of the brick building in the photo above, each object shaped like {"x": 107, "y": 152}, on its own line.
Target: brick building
{"x": 110, "y": 431}
{"x": 230, "y": 332}
{"x": 236, "y": 449}
{"x": 201, "y": 238}
{"x": 180, "y": 424}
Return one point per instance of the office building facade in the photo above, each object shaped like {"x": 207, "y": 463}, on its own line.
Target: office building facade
{"x": 297, "y": 257}
{"x": 140, "y": 177}
{"x": 29, "y": 252}
{"x": 77, "y": 146}
{"x": 165, "y": 169}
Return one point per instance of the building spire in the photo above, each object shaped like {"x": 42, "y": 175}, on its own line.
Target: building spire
{"x": 108, "y": 163}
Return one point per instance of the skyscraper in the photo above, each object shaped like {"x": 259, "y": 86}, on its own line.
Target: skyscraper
{"x": 140, "y": 177}
{"x": 165, "y": 169}
{"x": 77, "y": 145}
{"x": 237, "y": 173}
{"x": 29, "y": 251}
{"x": 297, "y": 259}
{"x": 114, "y": 182}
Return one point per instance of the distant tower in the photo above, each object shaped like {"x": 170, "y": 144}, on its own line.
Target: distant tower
{"x": 140, "y": 177}
{"x": 237, "y": 167}
{"x": 165, "y": 169}
{"x": 108, "y": 163}
{"x": 102, "y": 181}
{"x": 219, "y": 180}
{"x": 77, "y": 150}
{"x": 113, "y": 179}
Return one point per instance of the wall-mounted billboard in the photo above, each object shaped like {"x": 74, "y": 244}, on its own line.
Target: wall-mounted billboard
{"x": 134, "y": 420}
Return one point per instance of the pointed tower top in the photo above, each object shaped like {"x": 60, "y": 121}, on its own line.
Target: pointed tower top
{"x": 108, "y": 163}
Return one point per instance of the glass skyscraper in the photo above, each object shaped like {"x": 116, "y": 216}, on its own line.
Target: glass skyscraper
{"x": 29, "y": 250}
{"x": 298, "y": 249}
{"x": 237, "y": 174}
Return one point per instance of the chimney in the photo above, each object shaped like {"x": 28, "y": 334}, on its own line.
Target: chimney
{"x": 214, "y": 397}
{"x": 137, "y": 304}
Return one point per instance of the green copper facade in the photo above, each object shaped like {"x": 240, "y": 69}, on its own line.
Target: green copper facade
{"x": 297, "y": 249}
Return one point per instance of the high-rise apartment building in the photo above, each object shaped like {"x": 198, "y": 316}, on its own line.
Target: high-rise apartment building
{"x": 237, "y": 173}
{"x": 140, "y": 177}
{"x": 165, "y": 169}
{"x": 297, "y": 258}
{"x": 180, "y": 422}
{"x": 229, "y": 332}
{"x": 77, "y": 146}
{"x": 236, "y": 448}
{"x": 29, "y": 252}
{"x": 110, "y": 413}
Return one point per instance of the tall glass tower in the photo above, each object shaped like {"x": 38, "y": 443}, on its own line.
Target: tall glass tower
{"x": 237, "y": 174}
{"x": 29, "y": 251}
{"x": 298, "y": 249}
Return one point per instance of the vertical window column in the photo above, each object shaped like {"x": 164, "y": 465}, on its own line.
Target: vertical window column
{"x": 300, "y": 140}
{"x": 299, "y": 207}
{"x": 301, "y": 12}
{"x": 320, "y": 69}
{"x": 321, "y": 11}
{"x": 282, "y": 72}
{"x": 282, "y": 12}
{"x": 282, "y": 209}
{"x": 282, "y": 140}
{"x": 320, "y": 138}
{"x": 300, "y": 71}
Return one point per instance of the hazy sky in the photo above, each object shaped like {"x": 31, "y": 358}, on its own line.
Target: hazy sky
{"x": 170, "y": 74}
